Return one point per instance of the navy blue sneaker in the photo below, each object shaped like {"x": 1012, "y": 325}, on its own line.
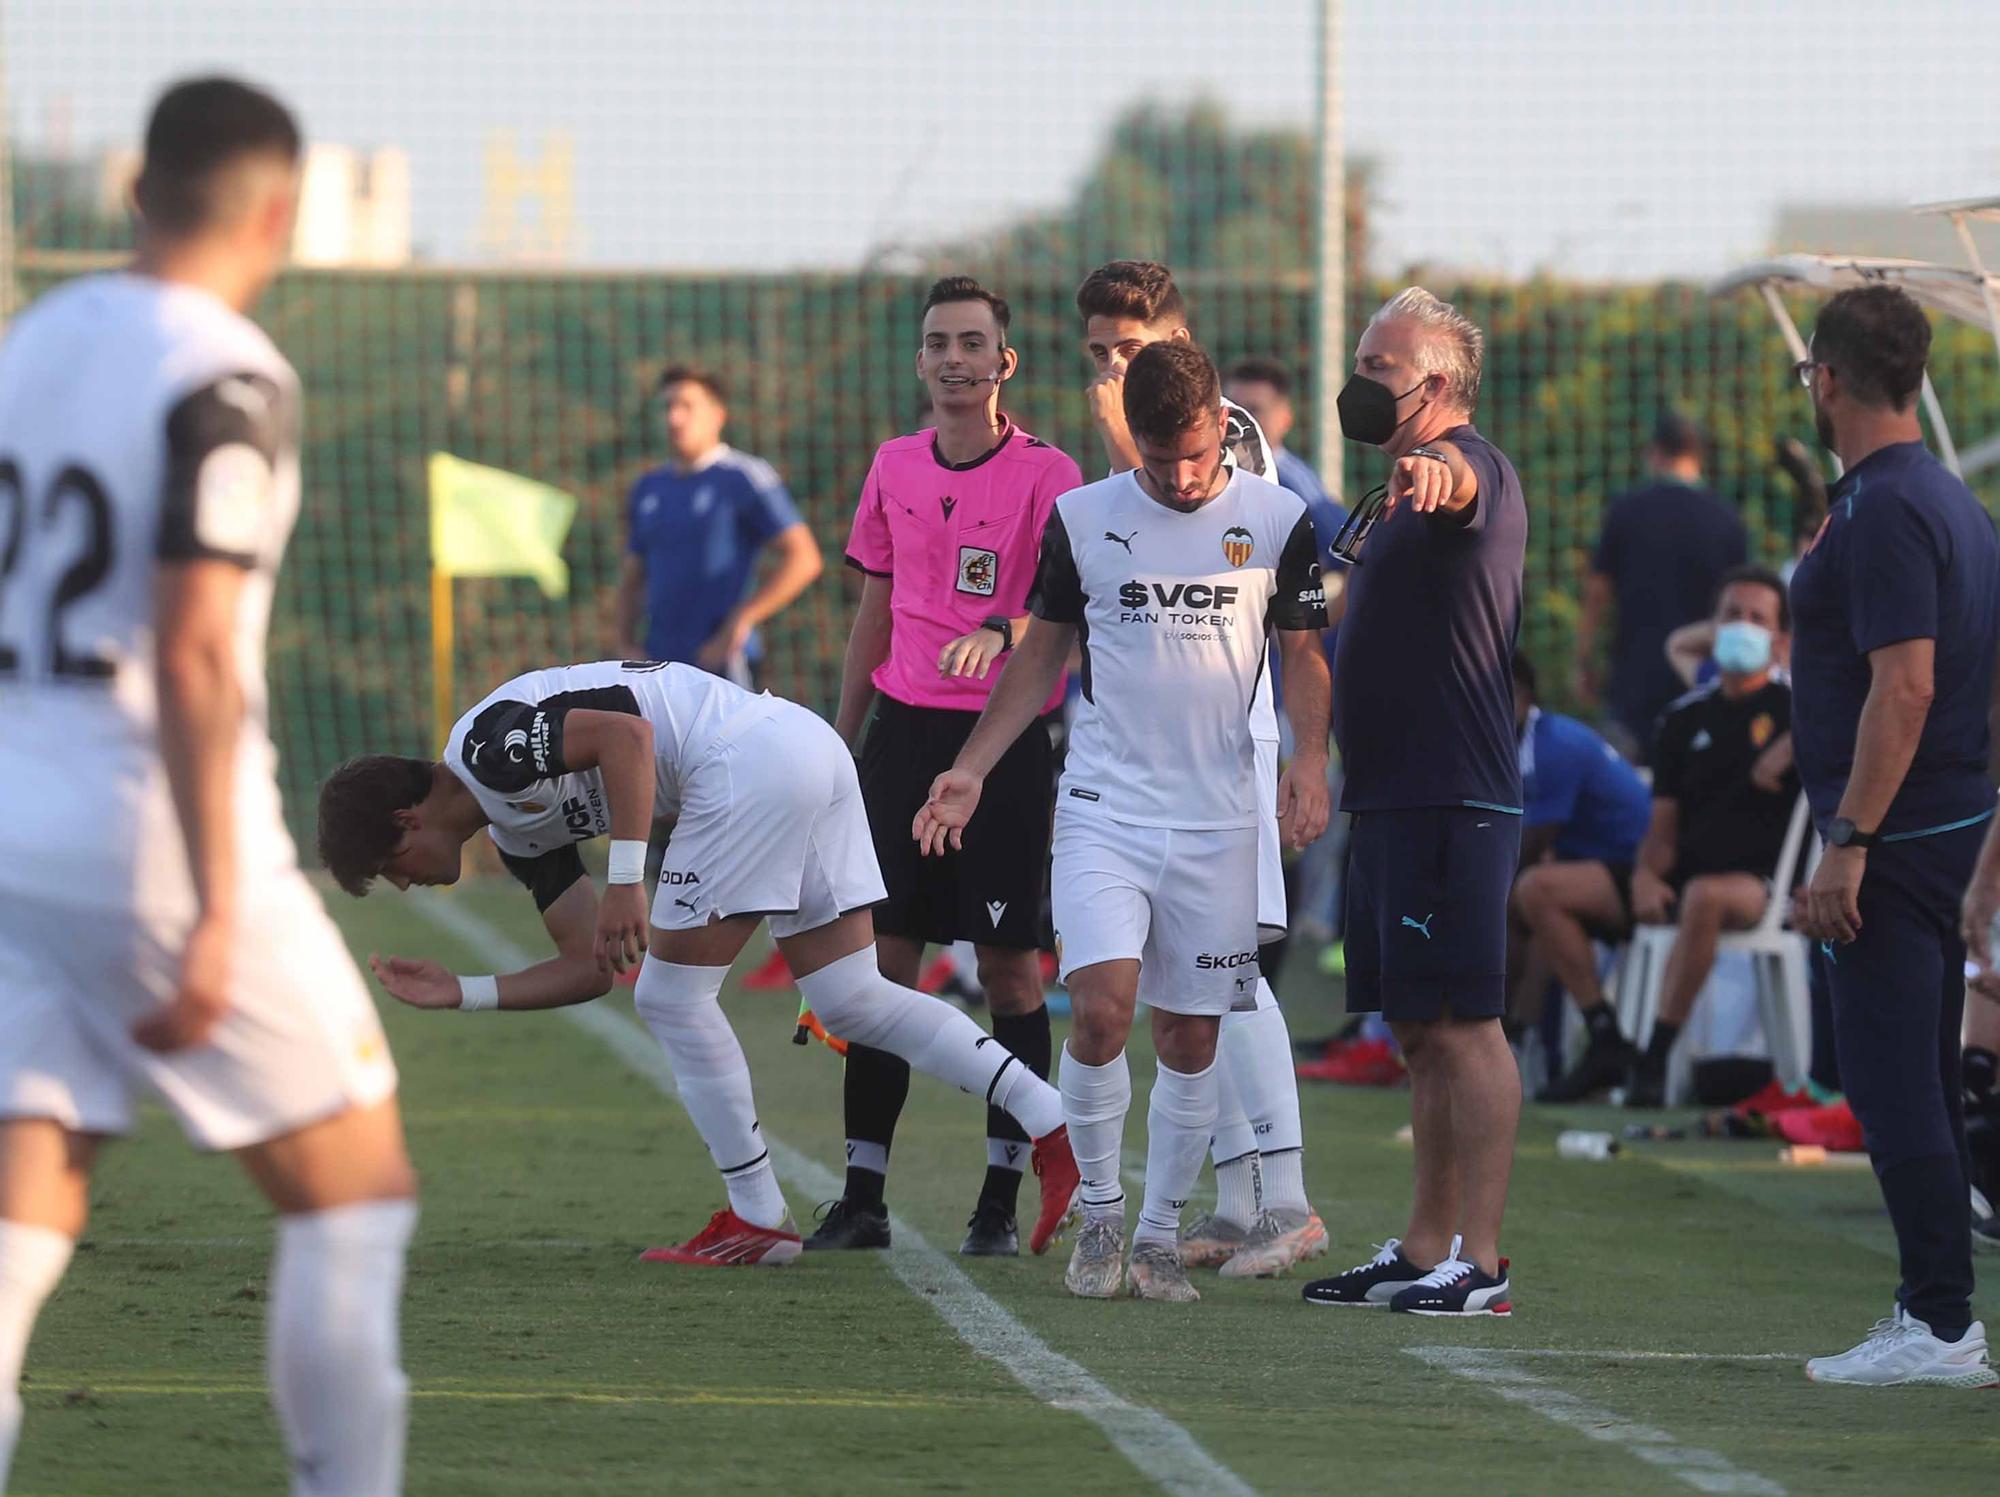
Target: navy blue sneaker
{"x": 1456, "y": 1287}
{"x": 1372, "y": 1285}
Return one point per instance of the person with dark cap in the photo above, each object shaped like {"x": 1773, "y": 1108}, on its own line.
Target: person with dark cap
{"x": 1663, "y": 549}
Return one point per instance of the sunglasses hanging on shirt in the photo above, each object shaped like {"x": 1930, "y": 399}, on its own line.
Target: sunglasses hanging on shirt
{"x": 1347, "y": 540}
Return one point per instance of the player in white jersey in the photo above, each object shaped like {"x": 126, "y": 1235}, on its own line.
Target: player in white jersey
{"x": 1262, "y": 1222}
{"x": 1171, "y": 577}
{"x": 156, "y": 934}
{"x": 769, "y": 824}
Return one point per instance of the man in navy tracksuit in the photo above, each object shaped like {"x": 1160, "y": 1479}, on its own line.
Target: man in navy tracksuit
{"x": 1892, "y": 658}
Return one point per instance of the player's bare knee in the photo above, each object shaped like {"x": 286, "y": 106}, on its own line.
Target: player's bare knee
{"x": 1185, "y": 1042}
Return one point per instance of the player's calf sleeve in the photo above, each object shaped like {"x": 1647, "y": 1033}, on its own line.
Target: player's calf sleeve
{"x": 855, "y": 1001}
{"x": 1095, "y": 1100}
{"x": 336, "y": 1287}
{"x": 32, "y": 1260}
{"x": 1179, "y": 1120}
{"x": 679, "y": 1006}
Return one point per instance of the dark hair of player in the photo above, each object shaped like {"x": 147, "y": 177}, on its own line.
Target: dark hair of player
{"x": 675, "y": 374}
{"x": 1141, "y": 290}
{"x": 1524, "y": 675}
{"x": 1261, "y": 371}
{"x": 1876, "y": 340}
{"x": 357, "y": 814}
{"x": 1169, "y": 387}
{"x": 955, "y": 288}
{"x": 1756, "y": 576}
{"x": 199, "y": 130}
{"x": 1677, "y": 435}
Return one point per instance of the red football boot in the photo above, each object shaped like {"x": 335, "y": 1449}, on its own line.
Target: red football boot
{"x": 772, "y": 975}
{"x": 1832, "y": 1127}
{"x": 728, "y": 1241}
{"x": 1055, "y": 1166}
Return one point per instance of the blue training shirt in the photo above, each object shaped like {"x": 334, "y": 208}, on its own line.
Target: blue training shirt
{"x": 698, "y": 533}
{"x": 1574, "y": 780}
{"x": 1906, "y": 552}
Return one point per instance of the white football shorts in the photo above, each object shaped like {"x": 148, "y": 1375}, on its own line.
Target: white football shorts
{"x": 1273, "y": 919}
{"x": 1181, "y": 903}
{"x": 771, "y": 824}
{"x": 301, "y": 1040}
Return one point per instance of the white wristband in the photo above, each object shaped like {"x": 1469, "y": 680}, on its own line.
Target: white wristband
{"x": 628, "y": 862}
{"x": 478, "y": 992}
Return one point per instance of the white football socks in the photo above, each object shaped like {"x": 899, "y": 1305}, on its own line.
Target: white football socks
{"x": 855, "y": 1001}
{"x": 1095, "y": 1100}
{"x": 342, "y": 1399}
{"x": 1234, "y": 1149}
{"x": 32, "y": 1260}
{"x": 1256, "y": 1049}
{"x": 1178, "y": 1122}
{"x": 679, "y": 1005}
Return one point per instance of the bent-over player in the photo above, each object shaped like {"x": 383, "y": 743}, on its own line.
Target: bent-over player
{"x": 769, "y": 825}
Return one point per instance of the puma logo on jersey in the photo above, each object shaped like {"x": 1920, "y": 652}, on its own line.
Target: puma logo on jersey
{"x": 1423, "y": 926}
{"x": 246, "y": 395}
{"x": 1123, "y": 540}
{"x": 473, "y": 748}
{"x": 994, "y": 910}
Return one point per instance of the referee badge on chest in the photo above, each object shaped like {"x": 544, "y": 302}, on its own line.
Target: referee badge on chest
{"x": 978, "y": 571}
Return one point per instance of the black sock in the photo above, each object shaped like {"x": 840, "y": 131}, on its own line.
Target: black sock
{"x": 1927, "y": 1202}
{"x": 1029, "y": 1037}
{"x": 1665, "y": 1032}
{"x": 1602, "y": 1022}
{"x": 1981, "y": 1068}
{"x": 873, "y": 1092}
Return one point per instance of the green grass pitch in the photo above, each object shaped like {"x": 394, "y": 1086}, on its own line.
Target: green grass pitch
{"x": 545, "y": 1359}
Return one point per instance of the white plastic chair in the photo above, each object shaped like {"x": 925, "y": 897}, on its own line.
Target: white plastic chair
{"x": 1778, "y": 959}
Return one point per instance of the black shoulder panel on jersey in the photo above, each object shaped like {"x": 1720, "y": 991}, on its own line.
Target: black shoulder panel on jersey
{"x": 549, "y": 876}
{"x": 1058, "y": 591}
{"x": 1300, "y": 599}
{"x": 512, "y": 745}
{"x": 224, "y": 442}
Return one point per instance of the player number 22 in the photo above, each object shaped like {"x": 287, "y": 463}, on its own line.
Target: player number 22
{"x": 73, "y": 487}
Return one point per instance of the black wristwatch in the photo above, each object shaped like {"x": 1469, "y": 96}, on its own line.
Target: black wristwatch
{"x": 1003, "y": 626}
{"x": 1840, "y": 832}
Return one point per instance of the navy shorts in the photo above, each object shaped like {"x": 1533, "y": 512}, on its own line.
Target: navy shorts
{"x": 1427, "y": 895}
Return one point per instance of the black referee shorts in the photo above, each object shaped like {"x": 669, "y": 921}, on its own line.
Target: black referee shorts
{"x": 990, "y": 891}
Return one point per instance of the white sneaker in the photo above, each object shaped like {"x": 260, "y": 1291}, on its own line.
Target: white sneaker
{"x": 1902, "y": 1350}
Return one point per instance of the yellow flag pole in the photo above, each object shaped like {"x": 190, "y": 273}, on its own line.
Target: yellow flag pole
{"x": 443, "y": 688}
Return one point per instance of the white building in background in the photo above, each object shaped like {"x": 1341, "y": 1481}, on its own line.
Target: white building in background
{"x": 353, "y": 209}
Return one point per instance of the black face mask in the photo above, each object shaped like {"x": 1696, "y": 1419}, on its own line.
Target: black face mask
{"x": 1368, "y": 410}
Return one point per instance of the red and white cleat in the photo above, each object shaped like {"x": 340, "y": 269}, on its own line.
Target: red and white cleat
{"x": 772, "y": 975}
{"x": 728, "y": 1241}
{"x": 1055, "y": 1167}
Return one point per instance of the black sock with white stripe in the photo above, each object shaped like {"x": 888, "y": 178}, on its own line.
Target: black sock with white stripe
{"x": 1031, "y": 1040}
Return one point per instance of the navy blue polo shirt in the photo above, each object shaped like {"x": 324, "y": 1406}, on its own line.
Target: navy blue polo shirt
{"x": 1665, "y": 546}
{"x": 699, "y": 532}
{"x": 1423, "y": 678}
{"x": 1575, "y": 781}
{"x": 1906, "y": 552}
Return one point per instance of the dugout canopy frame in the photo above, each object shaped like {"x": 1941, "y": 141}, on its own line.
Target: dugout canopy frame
{"x": 1970, "y": 295}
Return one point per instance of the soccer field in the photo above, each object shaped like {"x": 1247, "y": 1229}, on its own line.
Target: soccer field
{"x": 1663, "y": 1303}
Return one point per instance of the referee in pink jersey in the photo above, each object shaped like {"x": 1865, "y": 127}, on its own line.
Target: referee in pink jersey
{"x": 946, "y": 539}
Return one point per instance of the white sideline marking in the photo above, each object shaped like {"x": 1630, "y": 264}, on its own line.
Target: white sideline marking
{"x": 1159, "y": 1449}
{"x": 1704, "y": 1470}
{"x": 1653, "y": 1356}
{"x": 547, "y": 1244}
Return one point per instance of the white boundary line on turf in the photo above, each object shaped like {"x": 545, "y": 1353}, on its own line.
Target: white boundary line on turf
{"x": 1158, "y": 1448}
{"x": 1705, "y": 1470}
{"x": 1649, "y": 1356}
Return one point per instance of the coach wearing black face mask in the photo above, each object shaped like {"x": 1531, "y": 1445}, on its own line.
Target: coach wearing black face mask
{"x": 1424, "y": 712}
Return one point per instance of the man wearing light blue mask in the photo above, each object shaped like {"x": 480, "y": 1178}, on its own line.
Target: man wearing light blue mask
{"x": 1723, "y": 794}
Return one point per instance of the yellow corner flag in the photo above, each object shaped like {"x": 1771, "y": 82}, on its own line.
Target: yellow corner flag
{"x": 487, "y": 522}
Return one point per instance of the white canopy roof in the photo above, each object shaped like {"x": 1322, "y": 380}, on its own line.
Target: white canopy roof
{"x": 1985, "y": 209}
{"x": 1948, "y": 289}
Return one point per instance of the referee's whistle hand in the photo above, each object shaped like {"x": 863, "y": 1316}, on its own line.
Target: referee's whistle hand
{"x": 971, "y": 654}
{"x": 940, "y": 825}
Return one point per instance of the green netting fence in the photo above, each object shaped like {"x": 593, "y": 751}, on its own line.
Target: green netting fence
{"x": 551, "y": 375}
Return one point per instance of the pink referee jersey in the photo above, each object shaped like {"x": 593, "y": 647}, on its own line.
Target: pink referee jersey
{"x": 961, "y": 543}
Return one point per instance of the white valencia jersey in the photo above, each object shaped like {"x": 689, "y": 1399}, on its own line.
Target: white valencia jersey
{"x": 508, "y": 750}
{"x": 1173, "y": 611}
{"x": 141, "y": 423}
